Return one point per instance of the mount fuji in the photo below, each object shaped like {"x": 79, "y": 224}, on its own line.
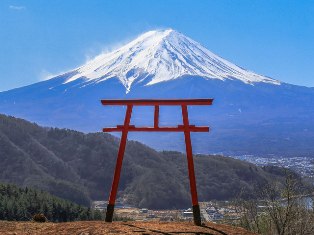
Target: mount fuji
{"x": 252, "y": 113}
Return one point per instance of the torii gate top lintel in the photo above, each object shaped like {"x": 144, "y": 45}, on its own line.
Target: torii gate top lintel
{"x": 156, "y": 103}
{"x": 186, "y": 128}
{"x": 153, "y": 102}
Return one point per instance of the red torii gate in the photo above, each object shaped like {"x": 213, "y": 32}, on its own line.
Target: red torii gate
{"x": 186, "y": 128}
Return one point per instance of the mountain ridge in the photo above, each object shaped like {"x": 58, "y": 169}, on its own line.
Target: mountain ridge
{"x": 82, "y": 169}
{"x": 245, "y": 117}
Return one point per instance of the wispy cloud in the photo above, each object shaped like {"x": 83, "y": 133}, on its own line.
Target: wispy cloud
{"x": 45, "y": 75}
{"x": 99, "y": 49}
{"x": 17, "y": 8}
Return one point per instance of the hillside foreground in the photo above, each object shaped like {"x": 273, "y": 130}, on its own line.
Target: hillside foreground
{"x": 100, "y": 227}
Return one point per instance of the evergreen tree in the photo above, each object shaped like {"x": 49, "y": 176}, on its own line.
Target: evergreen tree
{"x": 21, "y": 204}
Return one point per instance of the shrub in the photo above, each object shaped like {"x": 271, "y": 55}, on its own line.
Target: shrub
{"x": 41, "y": 218}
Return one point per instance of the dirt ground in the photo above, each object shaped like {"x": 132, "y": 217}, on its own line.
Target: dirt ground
{"x": 99, "y": 227}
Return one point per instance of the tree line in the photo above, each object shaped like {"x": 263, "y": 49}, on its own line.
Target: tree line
{"x": 21, "y": 204}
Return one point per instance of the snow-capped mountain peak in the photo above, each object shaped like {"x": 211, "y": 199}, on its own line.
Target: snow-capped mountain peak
{"x": 162, "y": 55}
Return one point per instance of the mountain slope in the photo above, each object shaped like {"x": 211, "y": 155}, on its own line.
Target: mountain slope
{"x": 79, "y": 167}
{"x": 250, "y": 111}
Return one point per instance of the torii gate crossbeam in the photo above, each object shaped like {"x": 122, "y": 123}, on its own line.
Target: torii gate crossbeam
{"x": 186, "y": 128}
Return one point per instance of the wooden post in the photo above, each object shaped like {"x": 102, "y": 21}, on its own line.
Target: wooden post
{"x": 189, "y": 155}
{"x": 117, "y": 172}
{"x": 156, "y": 116}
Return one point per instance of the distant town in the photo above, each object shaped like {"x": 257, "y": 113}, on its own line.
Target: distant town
{"x": 302, "y": 165}
{"x": 215, "y": 211}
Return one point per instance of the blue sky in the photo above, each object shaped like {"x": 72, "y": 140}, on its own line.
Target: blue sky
{"x": 40, "y": 38}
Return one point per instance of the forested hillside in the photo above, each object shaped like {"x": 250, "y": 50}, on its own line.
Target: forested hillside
{"x": 79, "y": 167}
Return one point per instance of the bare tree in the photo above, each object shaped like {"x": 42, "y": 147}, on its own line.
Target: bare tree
{"x": 279, "y": 209}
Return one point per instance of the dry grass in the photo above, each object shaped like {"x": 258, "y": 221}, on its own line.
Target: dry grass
{"x": 99, "y": 227}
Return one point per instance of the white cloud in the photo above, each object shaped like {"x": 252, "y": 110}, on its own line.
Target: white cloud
{"x": 17, "y": 8}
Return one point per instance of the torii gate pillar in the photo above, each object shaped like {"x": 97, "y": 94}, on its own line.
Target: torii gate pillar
{"x": 186, "y": 128}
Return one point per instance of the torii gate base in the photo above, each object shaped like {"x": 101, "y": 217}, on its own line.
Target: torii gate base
{"x": 186, "y": 128}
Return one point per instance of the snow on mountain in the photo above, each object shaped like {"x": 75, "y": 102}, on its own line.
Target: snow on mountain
{"x": 158, "y": 56}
